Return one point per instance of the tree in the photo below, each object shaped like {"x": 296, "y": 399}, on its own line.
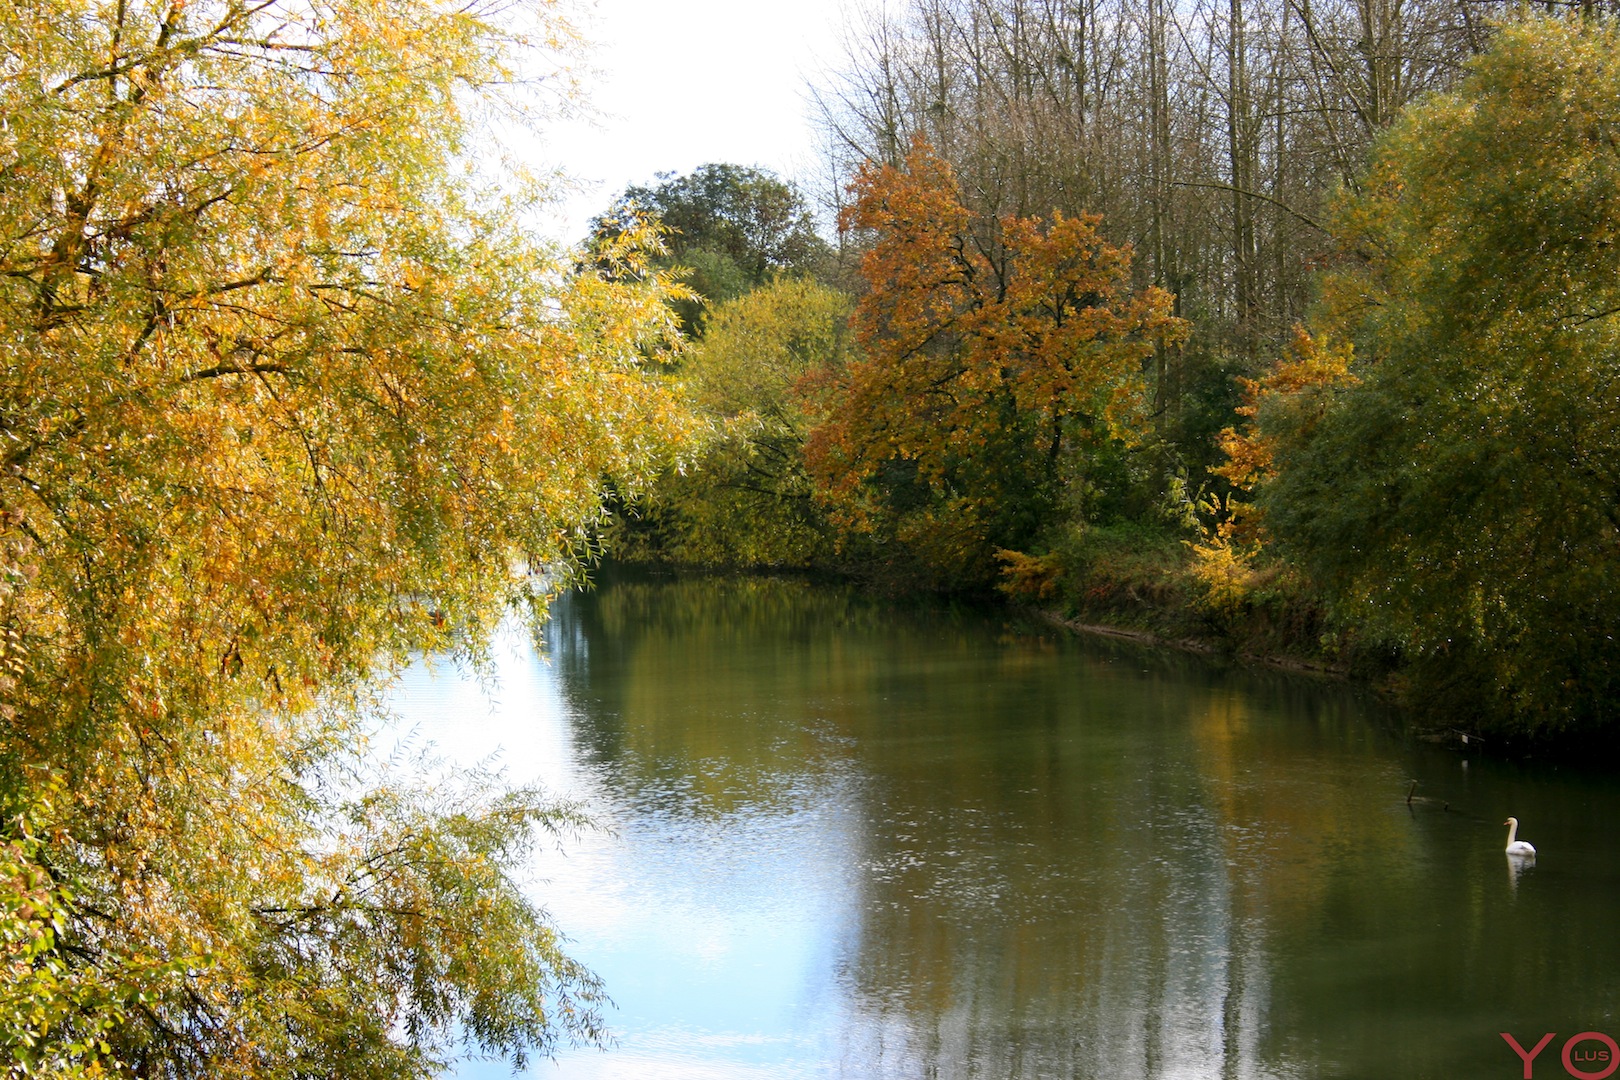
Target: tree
{"x": 1209, "y": 134}
{"x": 746, "y": 500}
{"x": 733, "y": 228}
{"x": 1459, "y": 500}
{"x": 282, "y": 400}
{"x": 994, "y": 352}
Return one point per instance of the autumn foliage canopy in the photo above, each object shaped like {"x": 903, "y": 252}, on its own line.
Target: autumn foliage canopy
{"x": 284, "y": 398}
{"x": 994, "y": 353}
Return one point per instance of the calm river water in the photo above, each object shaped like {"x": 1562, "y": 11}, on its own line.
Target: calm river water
{"x": 854, "y": 841}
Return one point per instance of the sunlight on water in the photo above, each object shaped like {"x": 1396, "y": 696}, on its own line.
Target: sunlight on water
{"x": 844, "y": 840}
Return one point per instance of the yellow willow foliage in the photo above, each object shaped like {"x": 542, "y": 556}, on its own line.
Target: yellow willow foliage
{"x": 1459, "y": 502}
{"x": 283, "y": 398}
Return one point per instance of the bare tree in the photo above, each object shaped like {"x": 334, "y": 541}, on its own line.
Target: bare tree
{"x": 1210, "y": 134}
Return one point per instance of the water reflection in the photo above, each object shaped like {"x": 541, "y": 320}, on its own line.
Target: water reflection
{"x": 855, "y": 841}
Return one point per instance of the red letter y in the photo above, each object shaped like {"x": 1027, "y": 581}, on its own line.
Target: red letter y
{"x": 1531, "y": 1055}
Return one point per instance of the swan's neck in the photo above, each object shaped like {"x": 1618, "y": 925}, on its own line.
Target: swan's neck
{"x": 1513, "y": 831}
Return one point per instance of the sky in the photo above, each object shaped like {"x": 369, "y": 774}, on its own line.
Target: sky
{"x": 680, "y": 83}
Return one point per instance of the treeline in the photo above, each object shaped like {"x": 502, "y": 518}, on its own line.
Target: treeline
{"x": 1276, "y": 324}
{"x": 1210, "y": 136}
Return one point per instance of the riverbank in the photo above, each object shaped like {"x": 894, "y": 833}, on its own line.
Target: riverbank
{"x": 1127, "y": 582}
{"x": 1188, "y": 644}
{"x": 1148, "y": 586}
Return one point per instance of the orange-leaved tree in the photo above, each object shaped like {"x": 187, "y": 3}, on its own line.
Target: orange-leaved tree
{"x": 1230, "y": 561}
{"x": 996, "y": 351}
{"x": 1313, "y": 366}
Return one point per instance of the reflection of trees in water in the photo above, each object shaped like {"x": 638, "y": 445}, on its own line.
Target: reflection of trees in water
{"x": 1421, "y": 957}
{"x": 730, "y": 688}
{"x": 1084, "y": 860}
{"x": 1065, "y": 906}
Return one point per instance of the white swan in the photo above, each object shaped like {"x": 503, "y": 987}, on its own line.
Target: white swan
{"x": 1517, "y": 847}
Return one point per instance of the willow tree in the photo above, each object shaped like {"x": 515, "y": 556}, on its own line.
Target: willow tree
{"x": 283, "y": 397}
{"x": 1458, "y": 496}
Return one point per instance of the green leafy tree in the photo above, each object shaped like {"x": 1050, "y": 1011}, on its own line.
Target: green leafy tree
{"x": 747, "y": 500}
{"x": 1459, "y": 496}
{"x": 731, "y": 227}
{"x": 282, "y": 400}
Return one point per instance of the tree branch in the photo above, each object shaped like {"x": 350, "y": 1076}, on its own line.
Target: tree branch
{"x": 1278, "y": 203}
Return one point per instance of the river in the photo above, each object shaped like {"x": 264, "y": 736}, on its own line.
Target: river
{"x": 845, "y": 839}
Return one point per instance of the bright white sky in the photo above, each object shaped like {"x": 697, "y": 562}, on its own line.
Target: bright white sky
{"x": 681, "y": 83}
